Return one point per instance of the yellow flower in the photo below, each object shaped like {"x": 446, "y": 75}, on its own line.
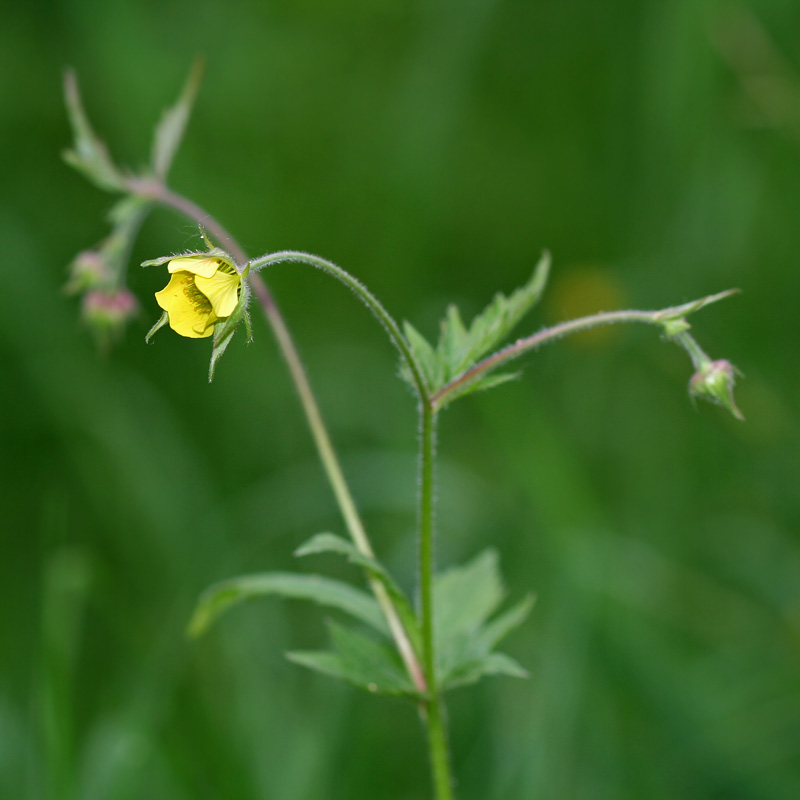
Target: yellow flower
{"x": 202, "y": 291}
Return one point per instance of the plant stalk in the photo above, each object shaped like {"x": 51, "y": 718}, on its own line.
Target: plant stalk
{"x": 435, "y": 712}
{"x": 160, "y": 193}
{"x": 522, "y": 346}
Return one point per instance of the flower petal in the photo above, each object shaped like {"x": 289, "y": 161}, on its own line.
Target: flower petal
{"x": 190, "y": 312}
{"x": 197, "y": 265}
{"x": 222, "y": 290}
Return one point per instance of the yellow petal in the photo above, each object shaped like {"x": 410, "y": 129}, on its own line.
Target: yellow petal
{"x": 190, "y": 312}
{"x": 197, "y": 266}
{"x": 222, "y": 290}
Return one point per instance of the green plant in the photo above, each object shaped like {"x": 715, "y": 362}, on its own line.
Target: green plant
{"x": 448, "y": 638}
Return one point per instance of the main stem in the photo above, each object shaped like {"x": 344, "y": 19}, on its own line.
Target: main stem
{"x": 434, "y": 709}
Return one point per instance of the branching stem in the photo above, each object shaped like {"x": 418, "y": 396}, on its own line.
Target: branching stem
{"x": 522, "y": 346}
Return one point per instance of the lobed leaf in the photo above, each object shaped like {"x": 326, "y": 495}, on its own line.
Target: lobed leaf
{"x": 459, "y": 348}
{"x": 494, "y": 324}
{"x": 330, "y": 543}
{"x": 465, "y": 599}
{"x": 360, "y": 661}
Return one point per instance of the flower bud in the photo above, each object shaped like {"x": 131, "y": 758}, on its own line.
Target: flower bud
{"x": 89, "y": 270}
{"x": 714, "y": 381}
{"x": 108, "y": 311}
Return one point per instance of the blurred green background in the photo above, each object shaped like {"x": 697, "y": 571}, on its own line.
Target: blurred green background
{"x": 433, "y": 149}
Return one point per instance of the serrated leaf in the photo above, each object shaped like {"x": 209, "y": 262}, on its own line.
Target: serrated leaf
{"x": 465, "y": 596}
{"x": 454, "y": 338}
{"x": 170, "y": 129}
{"x": 89, "y": 154}
{"x": 500, "y": 317}
{"x": 330, "y": 543}
{"x": 465, "y": 599}
{"x": 220, "y": 597}
{"x": 480, "y": 385}
{"x": 459, "y": 348}
{"x": 492, "y": 664}
{"x": 497, "y": 629}
{"x": 424, "y": 354}
{"x": 360, "y": 661}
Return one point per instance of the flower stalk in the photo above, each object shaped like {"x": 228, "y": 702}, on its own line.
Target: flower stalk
{"x": 157, "y": 192}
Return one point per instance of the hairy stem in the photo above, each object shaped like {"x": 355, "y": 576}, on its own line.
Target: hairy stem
{"x": 432, "y": 707}
{"x": 435, "y": 713}
{"x": 158, "y": 192}
{"x": 522, "y": 346}
{"x": 364, "y": 295}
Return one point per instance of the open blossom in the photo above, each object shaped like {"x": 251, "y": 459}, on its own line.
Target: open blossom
{"x": 202, "y": 291}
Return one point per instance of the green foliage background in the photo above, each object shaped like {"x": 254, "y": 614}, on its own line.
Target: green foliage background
{"x": 433, "y": 149}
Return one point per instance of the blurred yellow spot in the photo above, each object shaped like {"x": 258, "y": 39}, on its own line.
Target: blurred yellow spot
{"x": 582, "y": 291}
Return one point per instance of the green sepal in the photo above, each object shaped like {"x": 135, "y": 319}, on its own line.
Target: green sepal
{"x": 169, "y": 131}
{"x": 221, "y": 597}
{"x": 213, "y": 252}
{"x": 163, "y": 320}
{"x": 224, "y": 330}
{"x": 465, "y": 600}
{"x": 89, "y": 154}
{"x": 330, "y": 543}
{"x": 359, "y": 660}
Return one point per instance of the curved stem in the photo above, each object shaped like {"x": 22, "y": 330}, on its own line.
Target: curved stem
{"x": 366, "y": 297}
{"x": 522, "y": 346}
{"x": 432, "y": 707}
{"x": 158, "y": 192}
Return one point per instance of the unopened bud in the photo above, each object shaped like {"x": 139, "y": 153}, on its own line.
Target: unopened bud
{"x": 89, "y": 270}
{"x": 714, "y": 381}
{"x": 107, "y": 312}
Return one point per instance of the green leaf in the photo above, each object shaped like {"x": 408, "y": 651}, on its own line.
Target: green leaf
{"x": 424, "y": 354}
{"x": 465, "y": 596}
{"x": 492, "y": 664}
{"x": 360, "y": 661}
{"x": 497, "y": 629}
{"x": 460, "y": 348}
{"x": 330, "y": 543}
{"x": 493, "y": 325}
{"x": 480, "y": 385}
{"x": 220, "y": 597}
{"x": 465, "y": 599}
{"x": 169, "y": 131}
{"x": 88, "y": 154}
